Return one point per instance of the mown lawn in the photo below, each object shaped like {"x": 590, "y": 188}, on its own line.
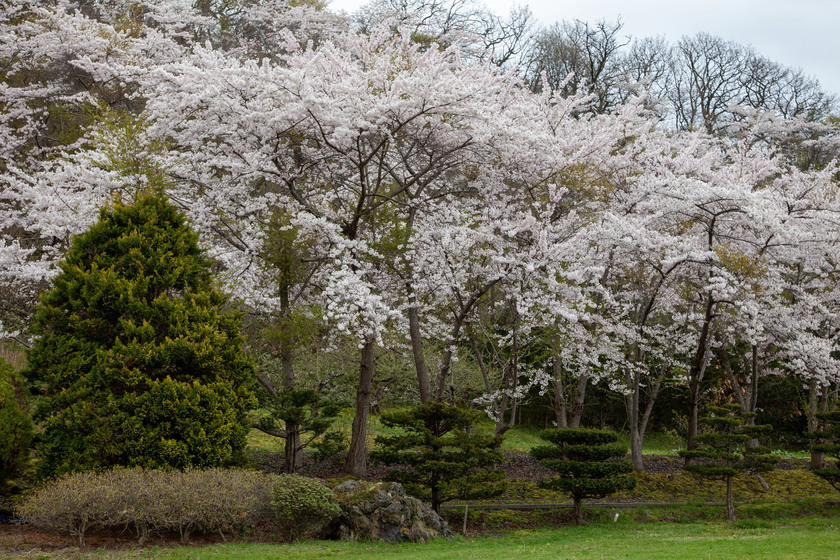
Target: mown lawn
{"x": 807, "y": 537}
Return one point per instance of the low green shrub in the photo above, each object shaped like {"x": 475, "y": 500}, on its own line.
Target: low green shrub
{"x": 150, "y": 501}
{"x": 302, "y": 506}
{"x": 331, "y": 443}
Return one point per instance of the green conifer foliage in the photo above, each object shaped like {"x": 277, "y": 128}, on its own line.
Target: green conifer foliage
{"x": 723, "y": 451}
{"x": 15, "y": 425}
{"x": 138, "y": 365}
{"x": 587, "y": 463}
{"x": 828, "y": 441}
{"x": 446, "y": 459}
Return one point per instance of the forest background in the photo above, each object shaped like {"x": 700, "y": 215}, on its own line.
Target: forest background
{"x": 431, "y": 202}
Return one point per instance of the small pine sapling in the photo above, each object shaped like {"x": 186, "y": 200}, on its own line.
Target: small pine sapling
{"x": 446, "y": 460}
{"x": 587, "y": 462}
{"x": 301, "y": 416}
{"x": 724, "y": 452}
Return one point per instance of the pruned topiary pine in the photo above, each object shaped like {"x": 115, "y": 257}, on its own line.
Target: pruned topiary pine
{"x": 138, "y": 364}
{"x": 299, "y": 416}
{"x": 723, "y": 450}
{"x": 588, "y": 464}
{"x": 827, "y": 441}
{"x": 15, "y": 425}
{"x": 446, "y": 459}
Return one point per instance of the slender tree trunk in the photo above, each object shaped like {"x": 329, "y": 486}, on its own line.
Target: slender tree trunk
{"x": 460, "y": 319}
{"x": 513, "y": 376}
{"x": 414, "y": 327}
{"x": 560, "y": 409}
{"x": 752, "y": 396}
{"x": 447, "y": 360}
{"x": 293, "y": 459}
{"x": 695, "y": 374}
{"x": 578, "y": 510}
{"x": 292, "y": 456}
{"x": 417, "y": 349}
{"x": 632, "y": 404}
{"x": 817, "y": 457}
{"x": 730, "y": 503}
{"x": 655, "y": 388}
{"x": 357, "y": 458}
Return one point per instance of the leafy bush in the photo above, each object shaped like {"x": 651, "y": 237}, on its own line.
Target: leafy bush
{"x": 15, "y": 425}
{"x": 149, "y": 501}
{"x": 213, "y": 501}
{"x": 331, "y": 443}
{"x": 302, "y": 506}
{"x": 138, "y": 365}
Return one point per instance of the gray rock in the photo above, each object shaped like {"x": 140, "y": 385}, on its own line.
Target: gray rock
{"x": 383, "y": 511}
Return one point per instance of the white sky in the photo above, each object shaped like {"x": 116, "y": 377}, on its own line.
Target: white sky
{"x": 799, "y": 33}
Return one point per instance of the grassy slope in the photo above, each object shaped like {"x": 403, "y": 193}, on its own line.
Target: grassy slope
{"x": 516, "y": 439}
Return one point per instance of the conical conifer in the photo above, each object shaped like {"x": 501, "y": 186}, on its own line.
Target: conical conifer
{"x": 138, "y": 364}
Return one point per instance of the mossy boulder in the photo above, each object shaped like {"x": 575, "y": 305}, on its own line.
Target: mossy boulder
{"x": 382, "y": 511}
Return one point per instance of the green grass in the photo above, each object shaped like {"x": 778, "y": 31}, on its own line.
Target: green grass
{"x": 518, "y": 439}
{"x": 805, "y": 537}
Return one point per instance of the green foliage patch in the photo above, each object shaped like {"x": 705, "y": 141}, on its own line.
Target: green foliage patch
{"x": 445, "y": 459}
{"x": 138, "y": 364}
{"x": 302, "y": 506}
{"x": 15, "y": 425}
{"x": 587, "y": 463}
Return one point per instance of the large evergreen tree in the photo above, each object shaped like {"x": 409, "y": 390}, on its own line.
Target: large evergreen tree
{"x": 138, "y": 364}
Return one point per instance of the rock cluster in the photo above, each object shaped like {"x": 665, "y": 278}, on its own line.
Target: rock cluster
{"x": 383, "y": 511}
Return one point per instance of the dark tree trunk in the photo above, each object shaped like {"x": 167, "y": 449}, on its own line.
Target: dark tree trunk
{"x": 357, "y": 458}
{"x": 580, "y": 398}
{"x": 730, "y": 504}
{"x": 578, "y": 511}
{"x": 817, "y": 457}
{"x": 293, "y": 458}
{"x": 695, "y": 374}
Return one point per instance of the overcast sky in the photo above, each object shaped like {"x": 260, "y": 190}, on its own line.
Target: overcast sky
{"x": 799, "y": 33}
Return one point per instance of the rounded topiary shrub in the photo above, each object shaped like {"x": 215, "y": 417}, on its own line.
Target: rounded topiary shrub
{"x": 302, "y": 506}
